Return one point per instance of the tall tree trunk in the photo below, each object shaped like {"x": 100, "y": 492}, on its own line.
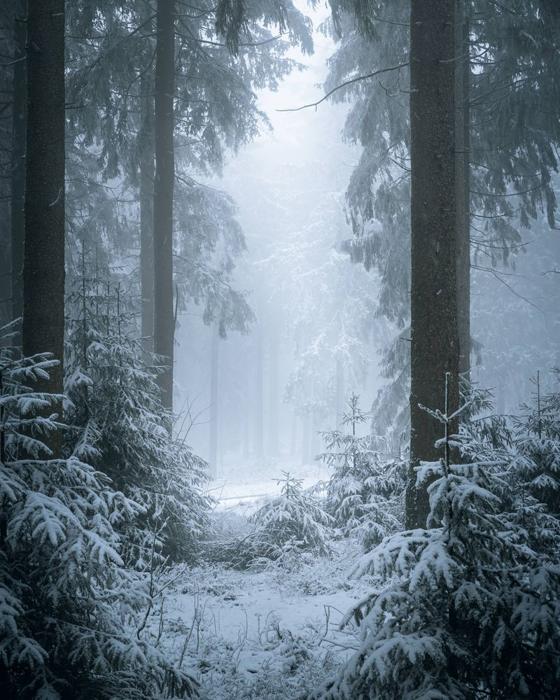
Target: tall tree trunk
{"x": 43, "y": 270}
{"x": 434, "y": 296}
{"x": 146, "y": 148}
{"x": 294, "y": 434}
{"x": 306, "y": 424}
{"x": 339, "y": 393}
{"x": 214, "y": 406}
{"x": 259, "y": 397}
{"x": 19, "y": 110}
{"x": 462, "y": 111}
{"x": 163, "y": 194}
{"x": 273, "y": 394}
{"x": 246, "y": 450}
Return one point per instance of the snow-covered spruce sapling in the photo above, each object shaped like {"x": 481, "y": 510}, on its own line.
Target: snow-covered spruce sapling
{"x": 364, "y": 494}
{"x": 468, "y": 608}
{"x": 294, "y": 521}
{"x": 538, "y": 442}
{"x": 68, "y": 606}
{"x": 114, "y": 395}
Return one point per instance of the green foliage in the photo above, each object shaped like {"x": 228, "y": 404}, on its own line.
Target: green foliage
{"x": 469, "y": 607}
{"x": 364, "y": 495}
{"x": 513, "y": 136}
{"x": 115, "y": 399}
{"x": 292, "y": 521}
{"x": 69, "y": 607}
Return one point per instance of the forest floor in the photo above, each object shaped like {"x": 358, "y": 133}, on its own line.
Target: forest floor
{"x": 269, "y": 633}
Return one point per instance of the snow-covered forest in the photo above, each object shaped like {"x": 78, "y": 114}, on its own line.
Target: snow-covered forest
{"x": 279, "y": 349}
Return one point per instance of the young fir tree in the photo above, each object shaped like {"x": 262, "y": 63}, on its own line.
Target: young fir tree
{"x": 469, "y": 607}
{"x": 70, "y": 610}
{"x": 292, "y": 521}
{"x": 538, "y": 442}
{"x": 114, "y": 396}
{"x": 364, "y": 494}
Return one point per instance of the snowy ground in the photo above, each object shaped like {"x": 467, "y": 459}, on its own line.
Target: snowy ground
{"x": 267, "y": 634}
{"x": 240, "y": 485}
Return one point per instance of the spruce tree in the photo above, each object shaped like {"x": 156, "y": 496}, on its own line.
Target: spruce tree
{"x": 62, "y": 576}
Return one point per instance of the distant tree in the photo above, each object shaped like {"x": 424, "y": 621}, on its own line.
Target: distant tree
{"x": 215, "y": 110}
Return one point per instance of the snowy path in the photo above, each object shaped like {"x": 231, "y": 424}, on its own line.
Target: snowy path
{"x": 264, "y": 634}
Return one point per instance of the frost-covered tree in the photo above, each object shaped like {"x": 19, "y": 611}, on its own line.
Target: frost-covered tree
{"x": 364, "y": 494}
{"x": 206, "y": 107}
{"x": 538, "y": 442}
{"x": 70, "y": 608}
{"x": 470, "y": 606}
{"x": 512, "y": 161}
{"x": 290, "y": 523}
{"x": 111, "y": 385}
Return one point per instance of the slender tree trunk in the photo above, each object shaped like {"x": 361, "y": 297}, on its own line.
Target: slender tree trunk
{"x": 163, "y": 194}
{"x": 43, "y": 279}
{"x": 462, "y": 111}
{"x": 259, "y": 398}
{"x": 339, "y": 393}
{"x": 19, "y": 110}
{"x": 273, "y": 395}
{"x": 146, "y": 148}
{"x": 294, "y": 434}
{"x": 306, "y": 438}
{"x": 434, "y": 296}
{"x": 214, "y": 406}
{"x": 246, "y": 451}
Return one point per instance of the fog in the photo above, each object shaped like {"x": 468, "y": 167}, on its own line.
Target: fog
{"x": 315, "y": 338}
{"x": 319, "y": 333}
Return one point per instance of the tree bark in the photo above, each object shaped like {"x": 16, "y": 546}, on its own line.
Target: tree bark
{"x": 163, "y": 195}
{"x": 435, "y": 343}
{"x": 19, "y": 109}
{"x": 43, "y": 278}
{"x": 146, "y": 148}
{"x": 462, "y": 111}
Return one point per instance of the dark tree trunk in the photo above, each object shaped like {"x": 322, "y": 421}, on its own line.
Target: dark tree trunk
{"x": 18, "y": 159}
{"x": 462, "y": 82}
{"x": 146, "y": 148}
{"x": 164, "y": 325}
{"x": 43, "y": 270}
{"x": 434, "y": 296}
